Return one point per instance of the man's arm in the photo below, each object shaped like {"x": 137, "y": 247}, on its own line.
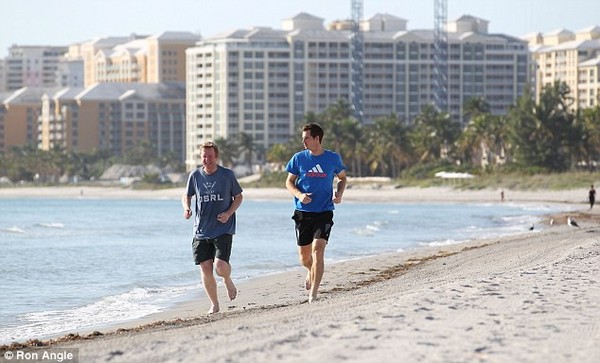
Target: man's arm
{"x": 186, "y": 203}
{"x": 340, "y": 187}
{"x": 235, "y": 204}
{"x": 290, "y": 184}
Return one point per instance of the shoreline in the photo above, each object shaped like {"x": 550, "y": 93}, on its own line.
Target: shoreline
{"x": 356, "y": 285}
{"x": 371, "y": 193}
{"x": 479, "y": 300}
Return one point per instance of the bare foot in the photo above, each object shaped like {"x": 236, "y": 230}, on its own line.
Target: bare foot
{"x": 311, "y": 299}
{"x": 213, "y": 309}
{"x": 231, "y": 290}
{"x": 307, "y": 281}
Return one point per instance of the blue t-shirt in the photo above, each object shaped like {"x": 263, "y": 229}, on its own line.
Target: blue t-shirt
{"x": 315, "y": 175}
{"x": 214, "y": 194}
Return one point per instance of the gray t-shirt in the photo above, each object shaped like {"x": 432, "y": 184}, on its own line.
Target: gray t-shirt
{"x": 214, "y": 194}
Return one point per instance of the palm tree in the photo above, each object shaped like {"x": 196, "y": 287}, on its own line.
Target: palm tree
{"x": 390, "y": 146}
{"x": 433, "y": 134}
{"x": 141, "y": 153}
{"x": 228, "y": 150}
{"x": 335, "y": 122}
{"x": 475, "y": 106}
{"x": 280, "y": 154}
{"x": 476, "y": 142}
{"x": 344, "y": 133}
{"x": 247, "y": 147}
{"x": 545, "y": 134}
{"x": 591, "y": 140}
{"x": 499, "y": 128}
{"x": 348, "y": 135}
{"x": 27, "y": 160}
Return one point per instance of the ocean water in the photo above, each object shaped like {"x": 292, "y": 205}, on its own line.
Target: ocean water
{"x": 80, "y": 264}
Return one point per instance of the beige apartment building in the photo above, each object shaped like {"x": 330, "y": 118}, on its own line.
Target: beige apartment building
{"x": 106, "y": 116}
{"x": 263, "y": 81}
{"x": 144, "y": 59}
{"x": 569, "y": 57}
{"x": 108, "y": 93}
{"x": 115, "y": 117}
{"x": 19, "y": 114}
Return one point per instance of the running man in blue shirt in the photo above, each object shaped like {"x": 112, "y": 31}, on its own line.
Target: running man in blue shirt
{"x": 218, "y": 195}
{"x": 311, "y": 173}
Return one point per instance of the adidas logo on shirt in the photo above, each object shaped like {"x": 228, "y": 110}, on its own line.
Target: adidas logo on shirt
{"x": 316, "y": 172}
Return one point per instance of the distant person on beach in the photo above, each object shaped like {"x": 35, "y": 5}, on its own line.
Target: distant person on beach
{"x": 310, "y": 180}
{"x": 217, "y": 196}
{"x": 592, "y": 196}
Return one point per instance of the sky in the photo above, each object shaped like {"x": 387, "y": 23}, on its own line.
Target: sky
{"x": 64, "y": 22}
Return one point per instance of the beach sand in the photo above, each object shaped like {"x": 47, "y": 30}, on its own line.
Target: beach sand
{"x": 529, "y": 298}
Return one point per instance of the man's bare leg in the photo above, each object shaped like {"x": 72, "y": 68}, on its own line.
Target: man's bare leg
{"x": 223, "y": 269}
{"x": 210, "y": 285}
{"x": 317, "y": 268}
{"x": 305, "y": 254}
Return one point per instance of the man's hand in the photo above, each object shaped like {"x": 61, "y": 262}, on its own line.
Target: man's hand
{"x": 223, "y": 217}
{"x": 337, "y": 198}
{"x": 305, "y": 198}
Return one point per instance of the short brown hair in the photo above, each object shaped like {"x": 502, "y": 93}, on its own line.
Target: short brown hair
{"x": 210, "y": 145}
{"x": 315, "y": 130}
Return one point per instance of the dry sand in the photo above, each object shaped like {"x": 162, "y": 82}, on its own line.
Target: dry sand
{"x": 531, "y": 298}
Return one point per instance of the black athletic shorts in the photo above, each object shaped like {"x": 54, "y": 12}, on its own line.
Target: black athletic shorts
{"x": 210, "y": 248}
{"x": 311, "y": 226}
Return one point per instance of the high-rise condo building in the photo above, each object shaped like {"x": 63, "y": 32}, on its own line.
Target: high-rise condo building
{"x": 572, "y": 58}
{"x": 263, "y": 81}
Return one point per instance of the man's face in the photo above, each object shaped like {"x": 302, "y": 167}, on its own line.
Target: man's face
{"x": 309, "y": 142}
{"x": 209, "y": 158}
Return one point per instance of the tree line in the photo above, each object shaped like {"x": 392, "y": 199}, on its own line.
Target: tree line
{"x": 31, "y": 164}
{"x": 550, "y": 135}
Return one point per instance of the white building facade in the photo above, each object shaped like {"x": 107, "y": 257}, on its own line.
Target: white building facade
{"x": 32, "y": 66}
{"x": 262, "y": 81}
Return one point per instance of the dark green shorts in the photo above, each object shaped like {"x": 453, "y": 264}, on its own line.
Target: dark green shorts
{"x": 210, "y": 248}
